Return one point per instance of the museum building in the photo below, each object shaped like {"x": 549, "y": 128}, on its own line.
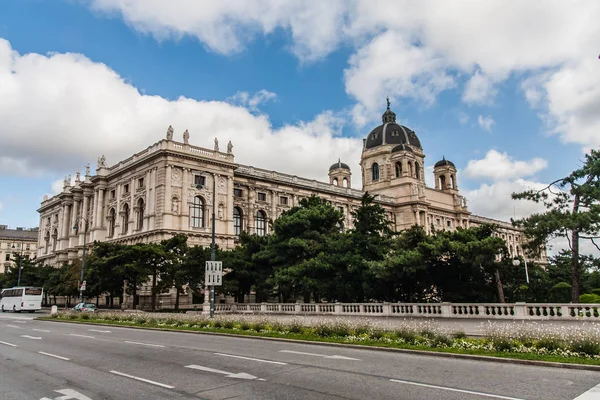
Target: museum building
{"x": 171, "y": 186}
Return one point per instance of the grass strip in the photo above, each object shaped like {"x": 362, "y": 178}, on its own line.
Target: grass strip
{"x": 309, "y": 335}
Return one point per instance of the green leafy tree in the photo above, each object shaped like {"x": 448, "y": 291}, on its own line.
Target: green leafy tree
{"x": 572, "y": 211}
{"x": 299, "y": 236}
{"x": 370, "y": 241}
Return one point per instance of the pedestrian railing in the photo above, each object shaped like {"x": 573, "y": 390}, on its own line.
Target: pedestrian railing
{"x": 540, "y": 311}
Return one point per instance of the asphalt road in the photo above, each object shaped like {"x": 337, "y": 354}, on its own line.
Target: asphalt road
{"x": 51, "y": 360}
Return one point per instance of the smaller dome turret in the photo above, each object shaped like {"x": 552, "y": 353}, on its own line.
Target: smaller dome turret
{"x": 443, "y": 163}
{"x": 339, "y": 174}
{"x": 444, "y": 172}
{"x": 339, "y": 164}
{"x": 388, "y": 115}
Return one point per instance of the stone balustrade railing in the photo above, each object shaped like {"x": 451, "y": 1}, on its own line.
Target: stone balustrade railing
{"x": 540, "y": 311}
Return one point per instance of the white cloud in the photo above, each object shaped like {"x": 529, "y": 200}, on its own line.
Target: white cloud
{"x": 57, "y": 186}
{"x": 227, "y": 26}
{"x": 572, "y": 101}
{"x": 409, "y": 49}
{"x": 494, "y": 200}
{"x": 501, "y": 166}
{"x": 479, "y": 90}
{"x": 252, "y": 102}
{"x": 486, "y": 122}
{"x": 390, "y": 65}
{"x": 1, "y": 206}
{"x": 72, "y": 110}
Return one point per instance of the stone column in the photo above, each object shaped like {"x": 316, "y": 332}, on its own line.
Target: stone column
{"x": 64, "y": 222}
{"x": 73, "y": 217}
{"x": 84, "y": 214}
{"x": 274, "y": 201}
{"x": 229, "y": 210}
{"x": 167, "y": 203}
{"x": 100, "y": 209}
{"x": 417, "y": 222}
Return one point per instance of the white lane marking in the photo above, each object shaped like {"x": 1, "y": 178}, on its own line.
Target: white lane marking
{"x": 68, "y": 395}
{"x": 241, "y": 375}
{"x": 31, "y": 337}
{"x": 41, "y": 330}
{"x": 319, "y": 355}
{"x": 251, "y": 359}
{"x": 19, "y": 322}
{"x": 142, "y": 379}
{"x": 53, "y": 355}
{"x": 592, "y": 394}
{"x": 455, "y": 390}
{"x": 144, "y": 344}
{"x": 85, "y": 336}
{"x": 97, "y": 330}
{"x": 14, "y": 326}
{"x": 9, "y": 344}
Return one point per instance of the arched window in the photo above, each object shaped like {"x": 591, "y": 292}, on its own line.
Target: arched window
{"x": 340, "y": 226}
{"x": 335, "y": 181}
{"x": 453, "y": 181}
{"x": 197, "y": 213}
{"x": 112, "y": 216}
{"x": 398, "y": 169}
{"x": 140, "y": 215}
{"x": 125, "y": 227}
{"x": 54, "y": 239}
{"x": 261, "y": 223}
{"x": 442, "y": 182}
{"x": 238, "y": 224}
{"x": 375, "y": 172}
{"x": 345, "y": 182}
{"x": 417, "y": 170}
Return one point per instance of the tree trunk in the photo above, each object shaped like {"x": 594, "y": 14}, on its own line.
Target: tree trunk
{"x": 177, "y": 299}
{"x": 499, "y": 286}
{"x": 134, "y": 302}
{"x": 153, "y": 297}
{"x": 575, "y": 256}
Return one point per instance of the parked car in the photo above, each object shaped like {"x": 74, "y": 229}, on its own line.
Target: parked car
{"x": 85, "y": 307}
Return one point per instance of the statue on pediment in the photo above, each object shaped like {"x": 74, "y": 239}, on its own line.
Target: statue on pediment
{"x": 102, "y": 161}
{"x": 216, "y": 144}
{"x": 229, "y": 147}
{"x": 170, "y": 133}
{"x": 186, "y": 137}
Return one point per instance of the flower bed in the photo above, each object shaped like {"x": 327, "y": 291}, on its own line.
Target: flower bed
{"x": 575, "y": 344}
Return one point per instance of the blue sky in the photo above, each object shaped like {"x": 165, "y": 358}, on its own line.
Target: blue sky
{"x": 85, "y": 78}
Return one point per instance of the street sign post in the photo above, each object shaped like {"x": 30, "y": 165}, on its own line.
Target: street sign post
{"x": 213, "y": 276}
{"x": 214, "y": 273}
{"x": 83, "y": 286}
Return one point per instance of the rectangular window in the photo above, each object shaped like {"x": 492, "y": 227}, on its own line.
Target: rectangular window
{"x": 283, "y": 200}
{"x": 113, "y": 194}
{"x": 341, "y": 209}
{"x": 126, "y": 188}
{"x": 449, "y": 223}
{"x": 140, "y": 183}
{"x": 199, "y": 180}
{"x": 237, "y": 192}
{"x": 438, "y": 222}
{"x": 7, "y": 256}
{"x": 262, "y": 197}
{"x": 27, "y": 247}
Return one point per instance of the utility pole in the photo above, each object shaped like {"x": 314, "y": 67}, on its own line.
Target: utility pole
{"x": 85, "y": 231}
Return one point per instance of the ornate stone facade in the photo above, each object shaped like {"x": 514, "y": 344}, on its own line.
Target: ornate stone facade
{"x": 171, "y": 187}
{"x": 16, "y": 241}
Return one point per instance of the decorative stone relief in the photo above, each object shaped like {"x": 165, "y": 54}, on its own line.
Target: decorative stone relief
{"x": 221, "y": 211}
{"x": 222, "y": 184}
{"x": 176, "y": 176}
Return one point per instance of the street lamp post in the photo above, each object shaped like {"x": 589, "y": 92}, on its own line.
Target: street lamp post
{"x": 212, "y": 247}
{"x": 85, "y": 231}
{"x": 516, "y": 262}
{"x": 20, "y": 261}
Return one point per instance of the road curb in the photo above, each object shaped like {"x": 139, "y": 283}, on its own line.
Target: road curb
{"x": 585, "y": 367}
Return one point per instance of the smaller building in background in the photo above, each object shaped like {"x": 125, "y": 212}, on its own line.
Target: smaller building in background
{"x": 16, "y": 241}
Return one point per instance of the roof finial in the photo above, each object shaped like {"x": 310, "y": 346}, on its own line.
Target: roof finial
{"x": 388, "y": 102}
